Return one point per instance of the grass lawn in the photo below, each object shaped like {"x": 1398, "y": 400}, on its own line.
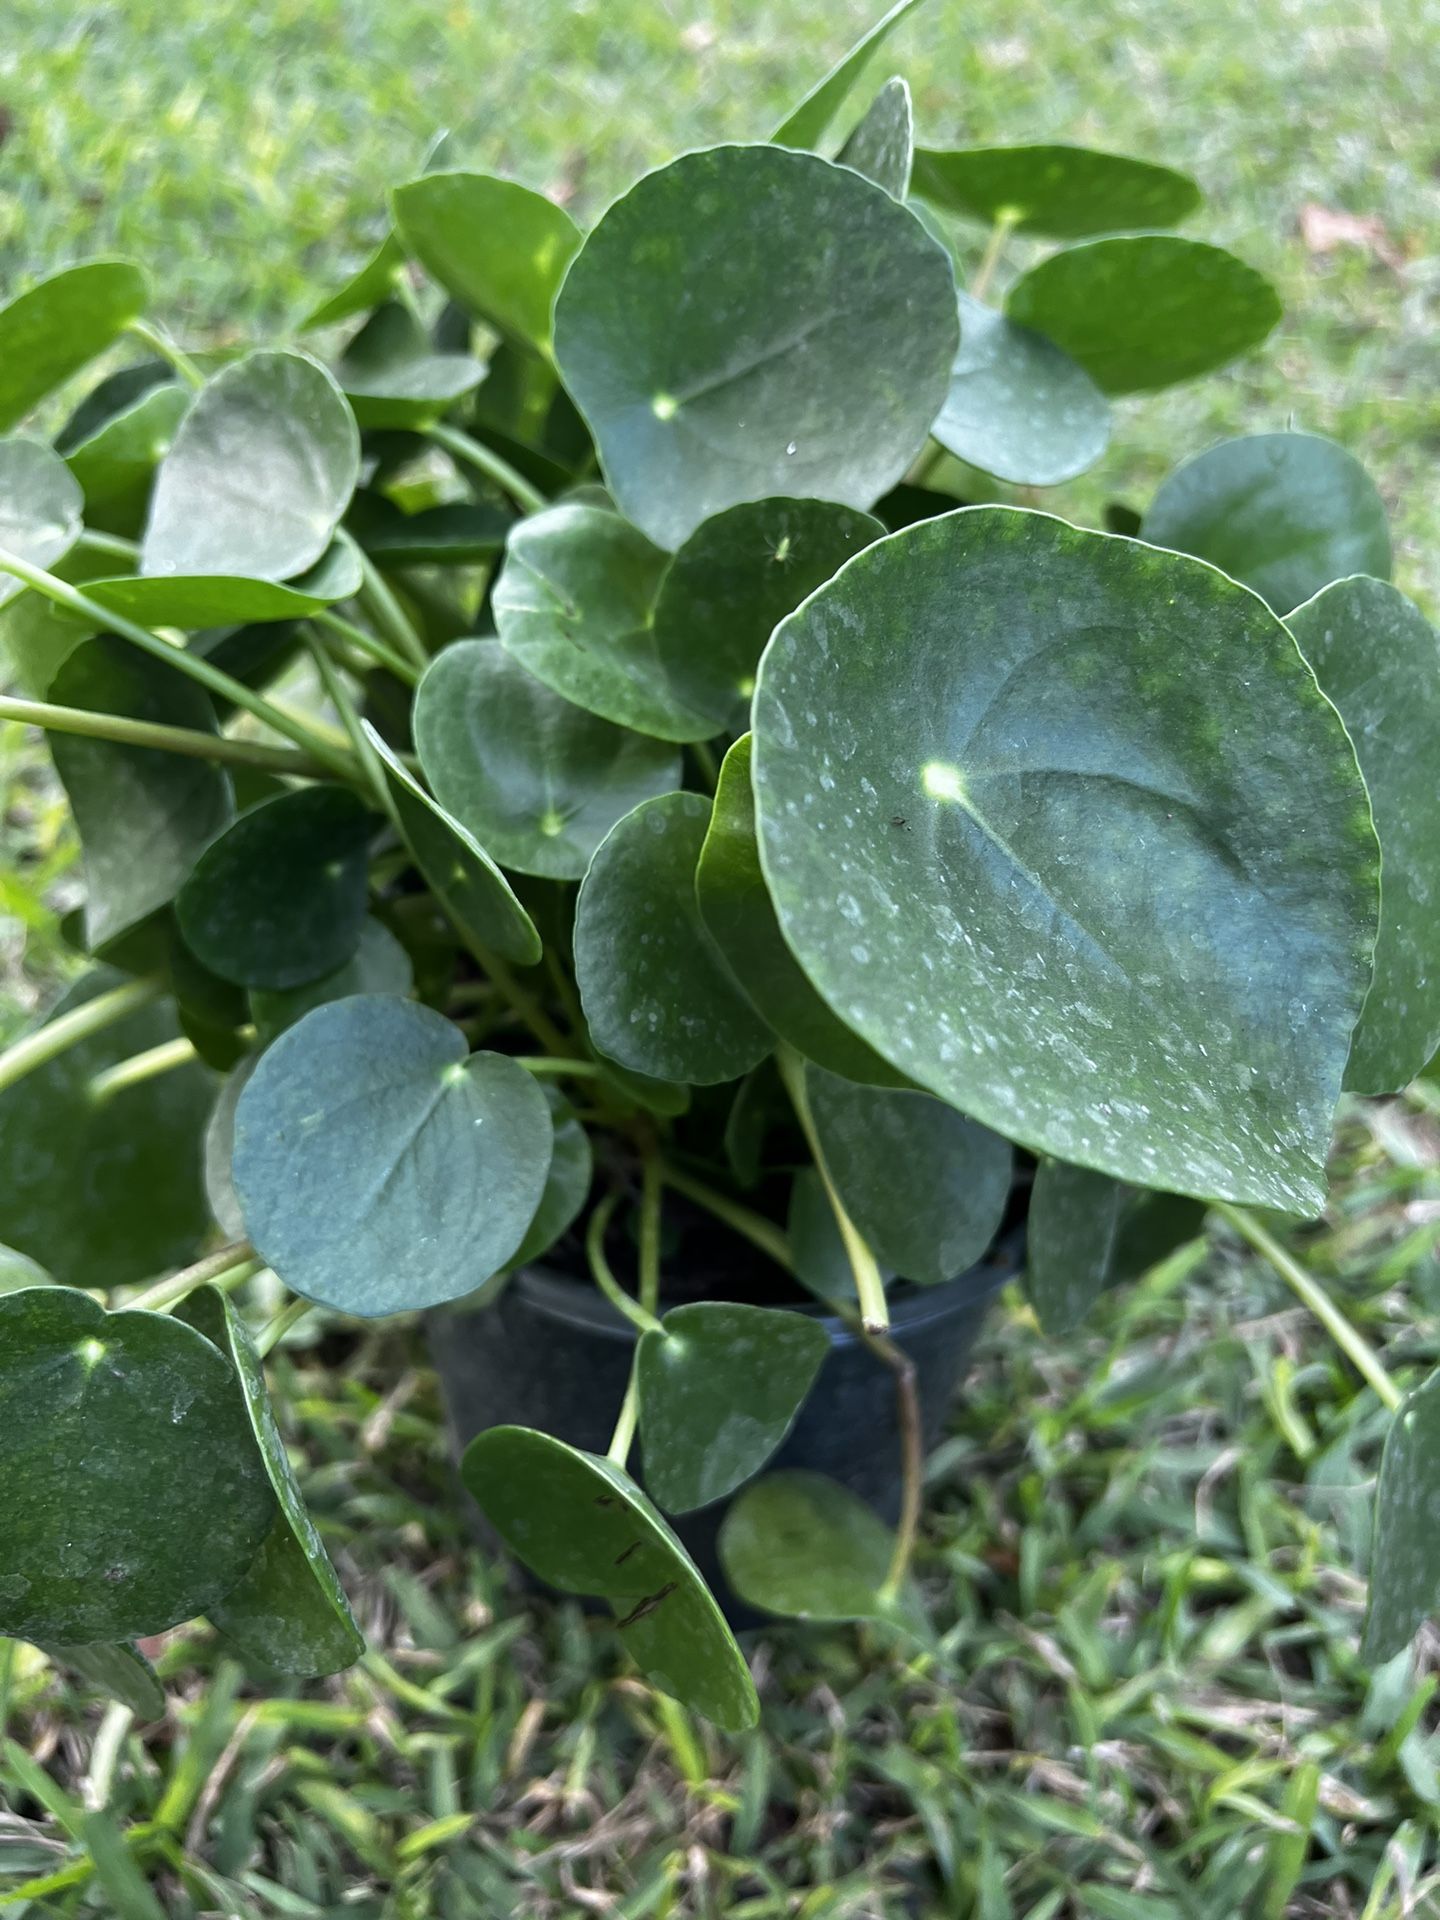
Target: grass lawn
{"x": 1144, "y": 1545}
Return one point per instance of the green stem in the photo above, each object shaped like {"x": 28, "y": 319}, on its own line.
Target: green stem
{"x": 543, "y": 1063}
{"x": 126, "y": 732}
{"x": 91, "y": 541}
{"x": 485, "y": 460}
{"x": 274, "y": 1331}
{"x": 57, "y": 1036}
{"x": 752, "y": 1226}
{"x": 641, "y": 1317}
{"x": 618, "y": 1451}
{"x": 651, "y": 1203}
{"x": 367, "y": 644}
{"x": 524, "y": 1003}
{"x": 869, "y": 1286}
{"x": 339, "y": 696}
{"x": 384, "y": 608}
{"x": 912, "y": 1457}
{"x": 994, "y": 247}
{"x": 139, "y": 1068}
{"x": 1306, "y": 1287}
{"x": 198, "y": 668}
{"x": 231, "y": 1264}
{"x": 160, "y": 342}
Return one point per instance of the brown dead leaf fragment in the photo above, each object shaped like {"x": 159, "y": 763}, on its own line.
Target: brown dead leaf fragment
{"x": 1323, "y": 229}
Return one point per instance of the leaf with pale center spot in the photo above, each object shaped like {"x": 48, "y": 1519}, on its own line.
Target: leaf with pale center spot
{"x": 720, "y": 1385}
{"x": 740, "y": 918}
{"x": 752, "y": 321}
{"x": 656, "y": 994}
{"x": 41, "y": 507}
{"x": 289, "y": 1611}
{"x": 259, "y": 473}
{"x": 56, "y": 327}
{"x": 393, "y": 377}
{"x": 1286, "y": 513}
{"x": 1405, "y": 1558}
{"x": 347, "y": 1130}
{"x": 731, "y": 584}
{"x": 461, "y": 874}
{"x": 1143, "y": 311}
{"x": 536, "y": 779}
{"x": 1018, "y": 407}
{"x": 882, "y": 144}
{"x": 926, "y": 1187}
{"x": 806, "y": 124}
{"x": 1086, "y": 1233}
{"x": 131, "y": 1495}
{"x": 1067, "y": 193}
{"x": 1378, "y": 658}
{"x": 574, "y": 606}
{"x": 1129, "y": 921}
{"x": 584, "y": 1526}
{"x": 279, "y": 897}
{"x": 796, "y": 1543}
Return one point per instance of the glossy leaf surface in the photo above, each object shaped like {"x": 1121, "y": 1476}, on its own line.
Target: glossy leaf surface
{"x": 1405, "y": 1555}
{"x": 115, "y": 464}
{"x": 379, "y": 964}
{"x": 1086, "y": 1233}
{"x": 882, "y": 144}
{"x": 56, "y": 327}
{"x": 393, "y": 377}
{"x": 41, "y": 507}
{"x": 193, "y": 601}
{"x": 1067, "y": 193}
{"x": 807, "y": 123}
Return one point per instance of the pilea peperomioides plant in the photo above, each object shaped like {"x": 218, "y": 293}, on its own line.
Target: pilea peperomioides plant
{"x": 566, "y": 785}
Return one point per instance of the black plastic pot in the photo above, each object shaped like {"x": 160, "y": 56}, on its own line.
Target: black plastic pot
{"x": 552, "y": 1353}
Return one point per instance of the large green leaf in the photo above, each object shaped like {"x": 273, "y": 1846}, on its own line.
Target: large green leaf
{"x": 105, "y": 1192}
{"x": 926, "y": 1187}
{"x": 822, "y": 1266}
{"x": 1378, "y": 658}
{"x": 574, "y": 605}
{"x": 1086, "y": 1232}
{"x": 41, "y": 507}
{"x": 806, "y": 124}
{"x": 373, "y": 280}
{"x": 378, "y": 1169}
{"x": 1287, "y": 513}
{"x": 289, "y": 1611}
{"x": 1129, "y": 919}
{"x": 144, "y": 817}
{"x": 730, "y": 585}
{"x": 1141, "y": 311}
{"x": 54, "y": 328}
{"x": 796, "y": 1543}
{"x": 498, "y": 248}
{"x": 259, "y": 474}
{"x": 36, "y": 635}
{"x": 537, "y": 780}
{"x": 720, "y": 1385}
{"x": 115, "y": 463}
{"x": 393, "y": 377}
{"x": 882, "y": 145}
{"x": 740, "y": 918}
{"x": 583, "y": 1525}
{"x": 193, "y": 601}
{"x": 655, "y": 992}
{"x": 1018, "y": 407}
{"x": 131, "y": 1495}
{"x": 379, "y": 964}
{"x": 1405, "y": 1557}
{"x": 751, "y": 321}
{"x": 461, "y": 874}
{"x": 279, "y": 897}
{"x": 1068, "y": 193}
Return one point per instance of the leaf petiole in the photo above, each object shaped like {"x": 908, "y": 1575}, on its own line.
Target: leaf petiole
{"x": 139, "y": 1068}
{"x": 125, "y": 732}
{"x": 869, "y": 1286}
{"x": 159, "y": 342}
{"x": 57, "y": 1036}
{"x": 484, "y": 460}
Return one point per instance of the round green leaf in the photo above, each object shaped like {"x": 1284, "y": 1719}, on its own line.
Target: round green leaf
{"x": 822, "y": 1266}
{"x": 1086, "y": 1233}
{"x": 461, "y": 874}
{"x": 116, "y": 462}
{"x": 498, "y": 248}
{"x": 194, "y": 601}
{"x": 1405, "y": 1559}
{"x": 1378, "y": 658}
{"x": 1141, "y": 311}
{"x": 538, "y": 780}
{"x": 655, "y": 992}
{"x": 1286, "y": 513}
{"x": 740, "y": 918}
{"x": 392, "y": 377}
{"x": 720, "y": 1385}
{"x": 279, "y": 898}
{"x": 259, "y": 474}
{"x": 144, "y": 817}
{"x": 378, "y": 1169}
{"x": 131, "y": 1495}
{"x": 583, "y": 1525}
{"x": 18, "y": 1270}
{"x": 220, "y": 1148}
{"x": 1068, "y": 193}
{"x": 796, "y": 1543}
{"x": 574, "y": 604}
{"x": 41, "y": 507}
{"x": 105, "y": 1193}
{"x": 1018, "y": 407}
{"x": 926, "y": 1187}
{"x": 805, "y": 124}
{"x": 54, "y": 328}
{"x": 881, "y": 145}
{"x": 1131, "y": 920}
{"x": 567, "y": 1185}
{"x": 379, "y": 964}
{"x": 373, "y": 281}
{"x": 730, "y": 585}
{"x": 289, "y": 1611}
{"x": 752, "y": 321}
